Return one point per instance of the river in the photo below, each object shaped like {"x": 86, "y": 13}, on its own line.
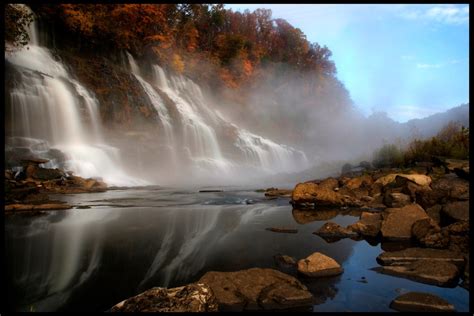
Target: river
{"x": 118, "y": 243}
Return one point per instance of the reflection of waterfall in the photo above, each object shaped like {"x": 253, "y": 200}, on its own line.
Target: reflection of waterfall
{"x": 191, "y": 237}
{"x": 48, "y": 105}
{"x": 59, "y": 256}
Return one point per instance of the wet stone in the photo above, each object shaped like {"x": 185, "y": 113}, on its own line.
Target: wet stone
{"x": 257, "y": 289}
{"x": 440, "y": 273}
{"x": 421, "y": 302}
{"x": 189, "y": 298}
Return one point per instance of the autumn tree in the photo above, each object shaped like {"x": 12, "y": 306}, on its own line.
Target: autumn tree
{"x": 17, "y": 20}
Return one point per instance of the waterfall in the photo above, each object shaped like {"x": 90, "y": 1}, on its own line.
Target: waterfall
{"x": 199, "y": 139}
{"x": 46, "y": 105}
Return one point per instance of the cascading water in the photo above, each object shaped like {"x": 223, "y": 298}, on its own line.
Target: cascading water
{"x": 45, "y": 105}
{"x": 199, "y": 140}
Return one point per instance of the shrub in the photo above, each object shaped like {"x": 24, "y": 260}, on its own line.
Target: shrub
{"x": 388, "y": 156}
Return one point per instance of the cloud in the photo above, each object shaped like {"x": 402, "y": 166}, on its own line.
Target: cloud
{"x": 429, "y": 65}
{"x": 403, "y": 113}
{"x": 448, "y": 14}
{"x": 439, "y": 65}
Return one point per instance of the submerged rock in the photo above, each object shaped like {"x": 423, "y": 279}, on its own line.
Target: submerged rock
{"x": 257, "y": 289}
{"x": 285, "y": 260}
{"x": 440, "y": 273}
{"x": 319, "y": 265}
{"x": 409, "y": 255}
{"x": 304, "y": 216}
{"x": 36, "y": 207}
{"x": 421, "y": 302}
{"x": 190, "y": 298}
{"x": 332, "y": 230}
{"x": 273, "y": 192}
{"x": 282, "y": 230}
{"x": 397, "y": 222}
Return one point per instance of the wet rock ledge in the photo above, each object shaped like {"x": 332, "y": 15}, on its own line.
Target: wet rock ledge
{"x": 27, "y": 190}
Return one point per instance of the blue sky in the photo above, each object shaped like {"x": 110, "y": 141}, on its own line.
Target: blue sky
{"x": 408, "y": 60}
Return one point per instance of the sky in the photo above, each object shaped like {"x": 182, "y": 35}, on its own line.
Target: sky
{"x": 408, "y": 60}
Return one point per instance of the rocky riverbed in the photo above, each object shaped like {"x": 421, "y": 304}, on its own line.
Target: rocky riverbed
{"x": 426, "y": 208}
{"x": 420, "y": 217}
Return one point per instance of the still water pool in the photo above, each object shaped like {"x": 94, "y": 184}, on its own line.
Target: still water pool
{"x": 122, "y": 242}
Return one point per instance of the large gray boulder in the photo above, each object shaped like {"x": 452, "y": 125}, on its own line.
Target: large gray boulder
{"x": 190, "y": 298}
{"x": 421, "y": 302}
{"x": 257, "y": 289}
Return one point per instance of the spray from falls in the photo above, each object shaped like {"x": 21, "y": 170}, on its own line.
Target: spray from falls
{"x": 199, "y": 141}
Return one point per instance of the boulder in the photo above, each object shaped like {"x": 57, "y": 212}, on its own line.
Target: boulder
{"x": 440, "y": 273}
{"x": 427, "y": 232}
{"x": 48, "y": 174}
{"x": 462, "y": 172}
{"x": 397, "y": 222}
{"x": 434, "y": 212}
{"x": 304, "y": 193}
{"x": 312, "y": 193}
{"x": 257, "y": 289}
{"x": 453, "y": 164}
{"x": 329, "y": 183}
{"x": 319, "y": 265}
{"x": 456, "y": 211}
{"x": 189, "y": 298}
{"x": 357, "y": 182}
{"x": 443, "y": 190}
{"x": 332, "y": 232}
{"x": 405, "y": 256}
{"x": 421, "y": 302}
{"x": 458, "y": 228}
{"x": 278, "y": 192}
{"x": 419, "y": 179}
{"x": 394, "y": 199}
{"x": 302, "y": 216}
{"x": 368, "y": 225}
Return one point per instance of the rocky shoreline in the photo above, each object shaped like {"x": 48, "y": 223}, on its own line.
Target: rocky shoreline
{"x": 424, "y": 211}
{"x": 27, "y": 190}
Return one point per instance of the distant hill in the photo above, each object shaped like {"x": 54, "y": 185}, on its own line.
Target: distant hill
{"x": 430, "y": 126}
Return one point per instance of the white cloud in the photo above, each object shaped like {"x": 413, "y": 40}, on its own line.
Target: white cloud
{"x": 443, "y": 13}
{"x": 403, "y": 113}
{"x": 429, "y": 65}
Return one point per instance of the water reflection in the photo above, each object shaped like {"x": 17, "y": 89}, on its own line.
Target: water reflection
{"x": 90, "y": 259}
